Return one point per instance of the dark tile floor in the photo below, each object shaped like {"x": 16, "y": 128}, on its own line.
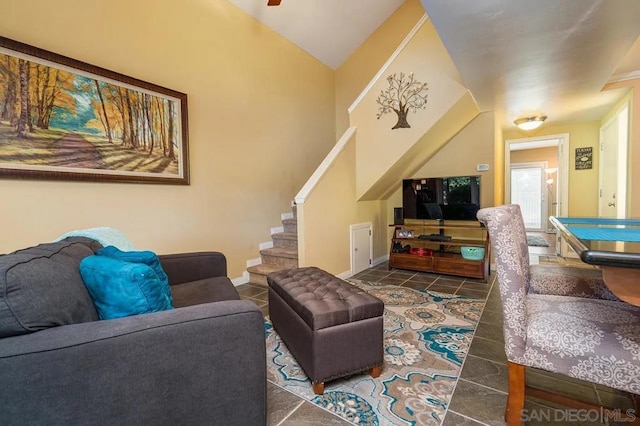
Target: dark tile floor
{"x": 481, "y": 392}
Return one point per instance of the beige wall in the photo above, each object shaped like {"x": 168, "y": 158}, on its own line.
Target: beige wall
{"x": 358, "y": 70}
{"x": 379, "y": 147}
{"x": 583, "y": 184}
{"x": 324, "y": 219}
{"x": 476, "y": 142}
{"x": 261, "y": 118}
{"x": 476, "y": 139}
{"x": 548, "y": 154}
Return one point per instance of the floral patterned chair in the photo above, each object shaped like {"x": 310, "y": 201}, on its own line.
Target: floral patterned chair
{"x": 564, "y": 280}
{"x": 586, "y": 338}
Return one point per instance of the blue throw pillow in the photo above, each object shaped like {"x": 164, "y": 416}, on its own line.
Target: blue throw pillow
{"x": 119, "y": 289}
{"x": 147, "y": 257}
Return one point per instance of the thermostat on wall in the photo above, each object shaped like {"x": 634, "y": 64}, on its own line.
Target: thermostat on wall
{"x": 482, "y": 167}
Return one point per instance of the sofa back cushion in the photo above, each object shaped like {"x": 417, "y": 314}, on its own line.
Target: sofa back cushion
{"x": 41, "y": 287}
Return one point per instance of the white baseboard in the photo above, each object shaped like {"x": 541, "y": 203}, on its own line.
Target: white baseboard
{"x": 254, "y": 262}
{"x": 241, "y": 280}
{"x": 345, "y": 275}
{"x": 266, "y": 245}
{"x": 277, "y": 230}
{"x": 380, "y": 260}
{"x": 284, "y": 216}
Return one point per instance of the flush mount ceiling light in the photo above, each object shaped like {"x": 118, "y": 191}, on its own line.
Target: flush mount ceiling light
{"x": 530, "y": 123}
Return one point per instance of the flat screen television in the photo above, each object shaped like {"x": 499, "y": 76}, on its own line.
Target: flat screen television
{"x": 441, "y": 198}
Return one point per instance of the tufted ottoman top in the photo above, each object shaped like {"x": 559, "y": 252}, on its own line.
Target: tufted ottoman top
{"x": 321, "y": 299}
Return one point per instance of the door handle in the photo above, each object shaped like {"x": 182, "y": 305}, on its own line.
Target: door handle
{"x": 611, "y": 204}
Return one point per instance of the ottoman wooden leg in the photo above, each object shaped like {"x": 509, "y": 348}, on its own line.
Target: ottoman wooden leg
{"x": 318, "y": 388}
{"x": 376, "y": 371}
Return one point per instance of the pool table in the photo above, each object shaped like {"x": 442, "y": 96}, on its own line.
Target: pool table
{"x": 613, "y": 245}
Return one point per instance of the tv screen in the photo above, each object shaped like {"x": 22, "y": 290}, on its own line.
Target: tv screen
{"x": 443, "y": 198}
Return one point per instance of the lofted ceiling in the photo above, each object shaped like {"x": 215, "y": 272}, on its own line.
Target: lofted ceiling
{"x": 330, "y": 30}
{"x": 517, "y": 57}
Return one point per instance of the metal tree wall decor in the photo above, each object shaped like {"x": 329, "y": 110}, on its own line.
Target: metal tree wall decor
{"x": 404, "y": 94}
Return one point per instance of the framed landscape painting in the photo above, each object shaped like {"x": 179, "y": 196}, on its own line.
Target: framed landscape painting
{"x": 67, "y": 120}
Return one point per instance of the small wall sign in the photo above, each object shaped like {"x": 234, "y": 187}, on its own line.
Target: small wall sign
{"x": 584, "y": 158}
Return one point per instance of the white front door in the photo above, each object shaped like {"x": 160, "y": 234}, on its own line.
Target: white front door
{"x": 528, "y": 190}
{"x": 361, "y": 247}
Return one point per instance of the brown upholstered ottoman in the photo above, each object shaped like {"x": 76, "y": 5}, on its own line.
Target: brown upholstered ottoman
{"x": 331, "y": 327}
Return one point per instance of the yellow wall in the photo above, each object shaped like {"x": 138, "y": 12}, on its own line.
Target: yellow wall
{"x": 261, "y": 118}
{"x": 324, "y": 219}
{"x": 476, "y": 142}
{"x": 476, "y": 139}
{"x": 548, "y": 154}
{"x": 583, "y": 184}
{"x": 378, "y": 146}
{"x": 358, "y": 70}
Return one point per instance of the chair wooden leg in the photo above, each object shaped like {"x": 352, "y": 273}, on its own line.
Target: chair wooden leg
{"x": 376, "y": 371}
{"x": 318, "y": 388}
{"x": 515, "y": 400}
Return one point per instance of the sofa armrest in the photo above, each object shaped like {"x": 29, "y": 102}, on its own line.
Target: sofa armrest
{"x": 198, "y": 365}
{"x": 187, "y": 267}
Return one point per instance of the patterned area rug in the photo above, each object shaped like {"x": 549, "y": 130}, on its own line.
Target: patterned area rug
{"x": 536, "y": 241}
{"x": 426, "y": 338}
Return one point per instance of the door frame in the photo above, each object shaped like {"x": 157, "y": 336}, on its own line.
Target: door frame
{"x": 352, "y": 229}
{"x": 562, "y": 177}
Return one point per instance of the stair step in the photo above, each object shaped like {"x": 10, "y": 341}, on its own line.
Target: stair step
{"x": 258, "y": 273}
{"x": 290, "y": 225}
{"x": 282, "y": 262}
{"x": 283, "y": 255}
{"x": 285, "y": 236}
{"x": 280, "y": 252}
{"x": 287, "y": 240}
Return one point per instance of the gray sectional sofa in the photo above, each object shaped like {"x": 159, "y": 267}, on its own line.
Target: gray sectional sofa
{"x": 201, "y": 363}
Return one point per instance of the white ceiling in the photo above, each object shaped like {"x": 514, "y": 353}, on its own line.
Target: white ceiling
{"x": 330, "y": 30}
{"x": 517, "y": 57}
{"x": 522, "y": 57}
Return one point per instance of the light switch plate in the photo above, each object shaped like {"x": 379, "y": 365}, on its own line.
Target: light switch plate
{"x": 482, "y": 167}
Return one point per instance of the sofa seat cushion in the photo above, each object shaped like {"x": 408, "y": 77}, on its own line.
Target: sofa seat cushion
{"x": 41, "y": 287}
{"x": 208, "y": 290}
{"x": 121, "y": 289}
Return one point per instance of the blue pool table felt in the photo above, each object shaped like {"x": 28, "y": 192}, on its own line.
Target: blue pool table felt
{"x": 596, "y": 221}
{"x": 605, "y": 234}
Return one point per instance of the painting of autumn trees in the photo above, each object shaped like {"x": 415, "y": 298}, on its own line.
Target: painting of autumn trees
{"x": 61, "y": 119}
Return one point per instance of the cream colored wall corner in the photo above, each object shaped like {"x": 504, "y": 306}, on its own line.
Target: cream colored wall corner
{"x": 476, "y": 141}
{"x": 581, "y": 202}
{"x": 498, "y": 160}
{"x": 356, "y": 72}
{"x": 261, "y": 118}
{"x": 324, "y": 218}
{"x": 379, "y": 147}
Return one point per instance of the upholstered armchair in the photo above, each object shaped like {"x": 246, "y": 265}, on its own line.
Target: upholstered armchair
{"x": 586, "y": 338}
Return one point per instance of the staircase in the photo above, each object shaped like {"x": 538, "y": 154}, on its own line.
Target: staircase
{"x": 283, "y": 254}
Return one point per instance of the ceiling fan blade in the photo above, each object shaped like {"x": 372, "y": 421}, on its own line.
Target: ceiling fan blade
{"x": 273, "y": 2}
